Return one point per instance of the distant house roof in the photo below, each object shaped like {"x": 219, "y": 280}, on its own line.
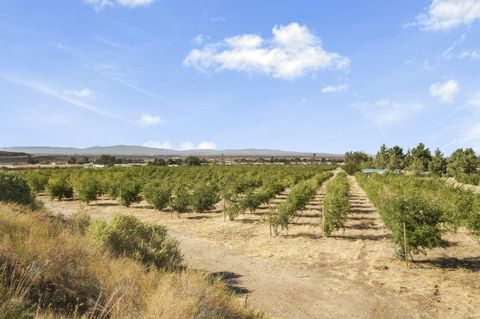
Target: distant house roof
{"x": 374, "y": 170}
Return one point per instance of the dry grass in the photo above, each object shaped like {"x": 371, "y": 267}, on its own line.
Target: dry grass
{"x": 50, "y": 268}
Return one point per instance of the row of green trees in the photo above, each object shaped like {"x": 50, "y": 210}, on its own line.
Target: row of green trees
{"x": 425, "y": 207}
{"x": 176, "y": 188}
{"x": 300, "y": 195}
{"x": 336, "y": 206}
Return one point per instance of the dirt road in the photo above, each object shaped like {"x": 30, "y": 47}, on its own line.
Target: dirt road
{"x": 288, "y": 291}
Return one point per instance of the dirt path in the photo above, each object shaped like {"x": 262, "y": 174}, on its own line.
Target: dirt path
{"x": 287, "y": 291}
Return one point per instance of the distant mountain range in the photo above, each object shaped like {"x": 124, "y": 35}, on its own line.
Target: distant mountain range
{"x": 130, "y": 150}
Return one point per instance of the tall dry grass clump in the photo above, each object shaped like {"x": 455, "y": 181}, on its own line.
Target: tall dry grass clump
{"x": 50, "y": 267}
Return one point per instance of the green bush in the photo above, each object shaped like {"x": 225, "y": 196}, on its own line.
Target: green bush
{"x": 335, "y": 203}
{"x": 129, "y": 192}
{"x": 422, "y": 221}
{"x": 87, "y": 188}
{"x": 59, "y": 188}
{"x": 251, "y": 201}
{"x": 181, "y": 200}
{"x": 37, "y": 181}
{"x": 158, "y": 195}
{"x": 204, "y": 197}
{"x": 14, "y": 189}
{"x": 148, "y": 243}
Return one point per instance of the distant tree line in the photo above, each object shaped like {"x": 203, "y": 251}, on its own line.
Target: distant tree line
{"x": 463, "y": 164}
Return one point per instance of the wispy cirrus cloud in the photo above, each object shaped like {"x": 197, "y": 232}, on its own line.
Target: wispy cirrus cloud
{"x": 52, "y": 92}
{"x": 447, "y": 14}
{"x": 472, "y": 55}
{"x": 383, "y": 113}
{"x": 83, "y": 93}
{"x": 116, "y": 72}
{"x": 292, "y": 52}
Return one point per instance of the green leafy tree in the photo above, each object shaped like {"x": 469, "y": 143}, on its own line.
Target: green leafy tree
{"x": 37, "y": 181}
{"x": 193, "y": 161}
{"x": 14, "y": 189}
{"x": 422, "y": 222}
{"x": 462, "y": 162}
{"x": 355, "y": 161}
{"x": 129, "y": 192}
{"x": 180, "y": 200}
{"x": 59, "y": 187}
{"x": 438, "y": 164}
{"x": 87, "y": 188}
{"x": 106, "y": 160}
{"x": 381, "y": 159}
{"x": 395, "y": 158}
{"x": 204, "y": 197}
{"x": 157, "y": 194}
{"x": 421, "y": 157}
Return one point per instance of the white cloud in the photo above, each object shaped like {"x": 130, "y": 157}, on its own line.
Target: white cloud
{"x": 334, "y": 89}
{"x": 386, "y": 112}
{"x": 100, "y": 4}
{"x": 85, "y": 93}
{"x": 445, "y": 91}
{"x": 447, "y": 14}
{"x": 291, "y": 53}
{"x": 205, "y": 145}
{"x": 150, "y": 120}
{"x": 199, "y": 39}
{"x": 135, "y": 3}
{"x": 471, "y": 55}
{"x": 155, "y": 144}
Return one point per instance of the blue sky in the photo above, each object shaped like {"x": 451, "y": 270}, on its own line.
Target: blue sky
{"x": 327, "y": 76}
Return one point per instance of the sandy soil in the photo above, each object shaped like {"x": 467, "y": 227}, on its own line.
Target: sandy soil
{"x": 300, "y": 274}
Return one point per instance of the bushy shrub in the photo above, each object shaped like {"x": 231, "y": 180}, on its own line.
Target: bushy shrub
{"x": 87, "y": 187}
{"x": 181, "y": 200}
{"x": 55, "y": 273}
{"x": 251, "y": 201}
{"x": 204, "y": 197}
{"x": 148, "y": 243}
{"x": 129, "y": 192}
{"x": 14, "y": 189}
{"x": 422, "y": 221}
{"x": 37, "y": 181}
{"x": 336, "y": 206}
{"x": 59, "y": 188}
{"x": 158, "y": 195}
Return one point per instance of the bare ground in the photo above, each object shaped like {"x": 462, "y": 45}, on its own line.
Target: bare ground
{"x": 300, "y": 274}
